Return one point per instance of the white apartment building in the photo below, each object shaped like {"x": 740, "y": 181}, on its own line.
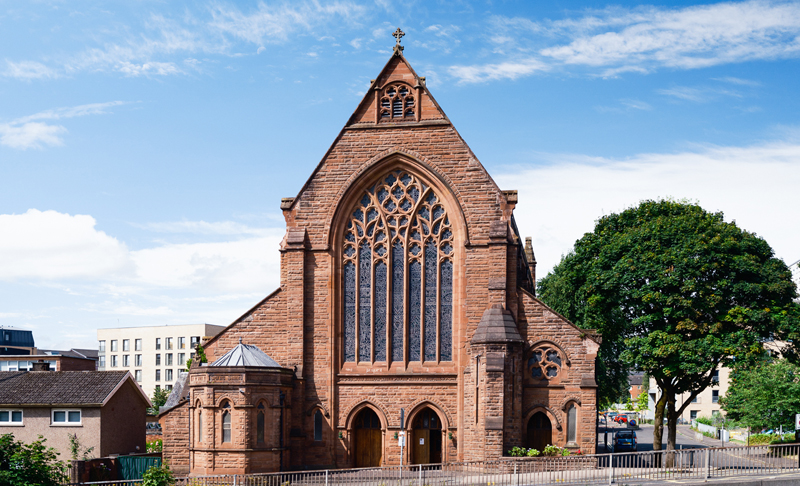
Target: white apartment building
{"x": 153, "y": 355}
{"x": 705, "y": 404}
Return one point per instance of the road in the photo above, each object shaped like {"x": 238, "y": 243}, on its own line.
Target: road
{"x": 644, "y": 437}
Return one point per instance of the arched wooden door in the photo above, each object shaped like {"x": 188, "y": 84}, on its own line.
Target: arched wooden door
{"x": 367, "y": 447}
{"x": 427, "y": 438}
{"x": 540, "y": 432}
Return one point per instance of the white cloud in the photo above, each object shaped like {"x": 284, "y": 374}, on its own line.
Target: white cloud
{"x": 492, "y": 72}
{"x": 739, "y": 81}
{"x": 58, "y": 247}
{"x": 28, "y": 70}
{"x": 274, "y": 23}
{"x": 30, "y": 135}
{"x": 755, "y": 185}
{"x": 699, "y": 95}
{"x": 50, "y": 245}
{"x": 28, "y": 132}
{"x": 615, "y": 40}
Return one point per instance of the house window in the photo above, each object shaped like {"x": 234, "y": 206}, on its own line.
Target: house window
{"x": 101, "y": 346}
{"x": 695, "y": 399}
{"x": 114, "y": 361}
{"x": 137, "y": 361}
{"x": 158, "y": 343}
{"x": 714, "y": 396}
{"x": 226, "y": 422}
{"x": 181, "y": 343}
{"x": 397, "y": 103}
{"x": 158, "y": 375}
{"x": 158, "y": 360}
{"x": 66, "y": 417}
{"x": 572, "y": 423}
{"x": 126, "y": 360}
{"x": 10, "y": 417}
{"x": 181, "y": 359}
{"x": 126, "y": 344}
{"x": 138, "y": 376}
{"x": 715, "y": 376}
{"x": 168, "y": 387}
{"x": 169, "y": 343}
{"x": 693, "y": 414}
{"x": 260, "y": 424}
{"x": 317, "y": 426}
{"x": 194, "y": 341}
{"x": 398, "y": 242}
{"x": 138, "y": 344}
{"x": 168, "y": 359}
{"x": 113, "y": 345}
{"x": 168, "y": 375}
{"x": 101, "y": 362}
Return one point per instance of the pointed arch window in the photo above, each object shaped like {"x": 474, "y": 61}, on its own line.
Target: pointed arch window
{"x": 260, "y": 423}
{"x": 397, "y": 103}
{"x": 318, "y": 425}
{"x": 572, "y": 423}
{"x": 200, "y": 425}
{"x": 226, "y": 422}
{"x": 398, "y": 274}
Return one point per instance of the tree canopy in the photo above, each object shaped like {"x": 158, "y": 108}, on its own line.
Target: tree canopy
{"x": 159, "y": 398}
{"x": 24, "y": 464}
{"x": 766, "y": 396}
{"x": 676, "y": 292}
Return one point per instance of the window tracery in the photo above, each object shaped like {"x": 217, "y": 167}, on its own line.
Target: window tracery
{"x": 397, "y": 103}
{"x": 545, "y": 362}
{"x": 398, "y": 274}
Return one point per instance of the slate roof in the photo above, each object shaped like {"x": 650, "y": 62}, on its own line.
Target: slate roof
{"x": 496, "y": 326}
{"x": 58, "y": 387}
{"x": 246, "y": 355}
{"x": 179, "y": 392}
{"x": 635, "y": 379}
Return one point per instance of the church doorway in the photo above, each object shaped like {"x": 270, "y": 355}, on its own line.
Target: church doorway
{"x": 427, "y": 438}
{"x": 368, "y": 438}
{"x": 540, "y": 432}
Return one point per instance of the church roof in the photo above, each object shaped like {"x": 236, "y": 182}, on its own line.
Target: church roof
{"x": 246, "y": 355}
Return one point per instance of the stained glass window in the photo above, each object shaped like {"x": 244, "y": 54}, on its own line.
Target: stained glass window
{"x": 544, "y": 362}
{"x": 398, "y": 274}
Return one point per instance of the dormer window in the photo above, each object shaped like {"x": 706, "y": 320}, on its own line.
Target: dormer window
{"x": 397, "y": 103}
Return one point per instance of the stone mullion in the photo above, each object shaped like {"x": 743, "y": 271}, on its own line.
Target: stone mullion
{"x": 389, "y": 271}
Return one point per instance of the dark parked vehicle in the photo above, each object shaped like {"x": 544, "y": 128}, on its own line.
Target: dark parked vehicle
{"x": 624, "y": 440}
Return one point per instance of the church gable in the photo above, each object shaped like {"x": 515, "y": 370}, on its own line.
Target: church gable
{"x": 397, "y": 95}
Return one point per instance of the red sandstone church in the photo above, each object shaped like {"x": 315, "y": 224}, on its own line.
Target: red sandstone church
{"x": 405, "y": 285}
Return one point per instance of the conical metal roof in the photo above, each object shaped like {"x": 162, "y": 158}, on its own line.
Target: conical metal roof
{"x": 246, "y": 355}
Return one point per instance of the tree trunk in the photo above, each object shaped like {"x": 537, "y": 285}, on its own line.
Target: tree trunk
{"x": 672, "y": 423}
{"x": 672, "y": 429}
{"x": 658, "y": 423}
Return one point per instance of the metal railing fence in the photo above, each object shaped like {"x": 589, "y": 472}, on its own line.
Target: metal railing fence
{"x": 634, "y": 467}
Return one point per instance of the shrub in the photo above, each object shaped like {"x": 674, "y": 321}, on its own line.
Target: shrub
{"x": 158, "y": 476}
{"x": 533, "y": 452}
{"x": 24, "y": 464}
{"x": 705, "y": 421}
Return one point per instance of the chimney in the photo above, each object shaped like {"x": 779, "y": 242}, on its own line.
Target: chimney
{"x": 41, "y": 365}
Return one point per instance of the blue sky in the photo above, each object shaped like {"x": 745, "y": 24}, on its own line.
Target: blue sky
{"x": 145, "y": 146}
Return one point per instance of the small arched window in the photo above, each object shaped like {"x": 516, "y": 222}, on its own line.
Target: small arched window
{"x": 260, "y": 424}
{"x": 572, "y": 423}
{"x": 317, "y": 425}
{"x": 226, "y": 423}
{"x": 200, "y": 426}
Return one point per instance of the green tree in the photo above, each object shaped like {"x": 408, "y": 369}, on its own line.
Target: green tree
{"x": 676, "y": 292}
{"x": 30, "y": 464}
{"x": 766, "y": 396}
{"x": 159, "y": 398}
{"x": 643, "y": 400}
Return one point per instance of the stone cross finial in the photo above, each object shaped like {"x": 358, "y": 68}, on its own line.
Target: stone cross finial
{"x": 398, "y": 34}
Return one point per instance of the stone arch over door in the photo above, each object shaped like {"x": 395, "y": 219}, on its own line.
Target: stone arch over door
{"x": 397, "y": 236}
{"x": 534, "y": 427}
{"x": 426, "y": 429}
{"x": 367, "y": 439}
